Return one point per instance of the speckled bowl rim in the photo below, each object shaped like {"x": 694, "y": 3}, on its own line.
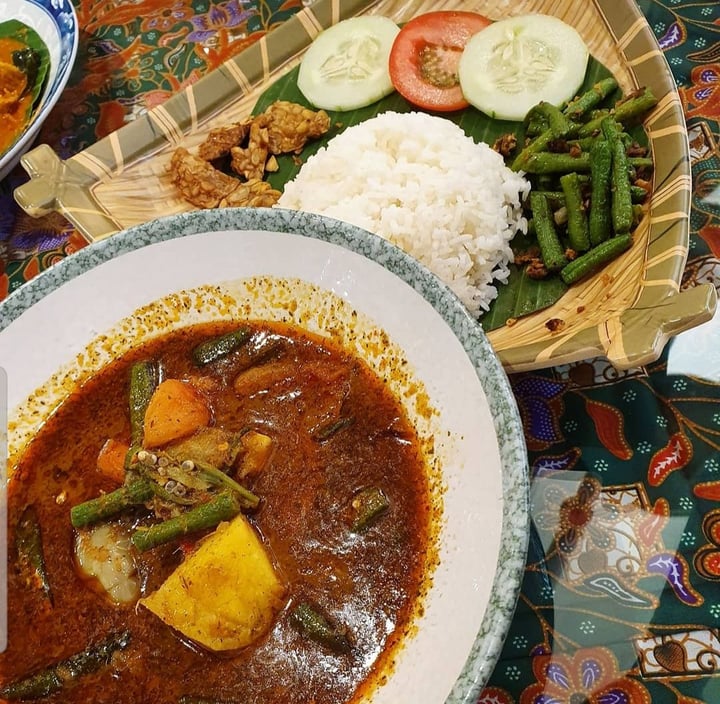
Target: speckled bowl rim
{"x": 506, "y": 418}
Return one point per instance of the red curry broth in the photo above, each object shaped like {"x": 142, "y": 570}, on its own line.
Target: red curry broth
{"x": 368, "y": 582}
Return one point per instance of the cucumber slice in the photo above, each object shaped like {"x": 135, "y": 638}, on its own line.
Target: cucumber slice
{"x": 346, "y": 66}
{"x": 517, "y": 62}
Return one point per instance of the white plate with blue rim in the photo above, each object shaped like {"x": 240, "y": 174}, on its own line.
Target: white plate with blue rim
{"x": 56, "y": 23}
{"x": 333, "y": 279}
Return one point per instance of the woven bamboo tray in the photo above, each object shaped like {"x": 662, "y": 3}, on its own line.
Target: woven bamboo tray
{"x": 626, "y": 313}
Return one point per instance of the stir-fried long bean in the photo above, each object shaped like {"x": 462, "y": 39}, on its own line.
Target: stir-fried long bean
{"x": 621, "y": 202}
{"x": 599, "y": 223}
{"x": 587, "y": 184}
{"x": 626, "y": 112}
{"x": 577, "y": 223}
{"x": 557, "y": 121}
{"x": 596, "y": 257}
{"x": 553, "y": 253}
{"x": 558, "y": 126}
{"x": 581, "y": 104}
{"x": 552, "y": 163}
{"x": 556, "y": 199}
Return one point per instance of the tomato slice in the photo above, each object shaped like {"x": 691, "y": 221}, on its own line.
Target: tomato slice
{"x": 425, "y": 55}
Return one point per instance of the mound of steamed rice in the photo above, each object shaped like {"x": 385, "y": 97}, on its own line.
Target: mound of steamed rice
{"x": 420, "y": 182}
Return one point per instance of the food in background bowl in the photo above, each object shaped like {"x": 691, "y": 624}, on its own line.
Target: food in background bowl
{"x": 49, "y": 28}
{"x": 24, "y": 63}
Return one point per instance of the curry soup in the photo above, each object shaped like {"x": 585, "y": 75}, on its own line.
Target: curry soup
{"x": 325, "y": 470}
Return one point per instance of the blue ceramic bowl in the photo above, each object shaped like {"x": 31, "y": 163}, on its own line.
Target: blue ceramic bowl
{"x": 56, "y": 22}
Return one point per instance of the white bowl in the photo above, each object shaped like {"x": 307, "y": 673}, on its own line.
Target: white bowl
{"x": 56, "y": 23}
{"x": 340, "y": 278}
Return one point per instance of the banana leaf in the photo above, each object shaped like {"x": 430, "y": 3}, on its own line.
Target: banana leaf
{"x": 521, "y": 295}
{"x": 35, "y": 63}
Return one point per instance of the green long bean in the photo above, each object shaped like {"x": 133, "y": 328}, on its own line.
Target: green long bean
{"x": 108, "y": 505}
{"x": 368, "y": 506}
{"x": 551, "y": 249}
{"x": 577, "y": 221}
{"x": 144, "y": 378}
{"x": 56, "y": 677}
{"x": 621, "y": 200}
{"x": 308, "y": 620}
{"x": 552, "y": 163}
{"x": 595, "y": 258}
{"x": 626, "y": 112}
{"x": 599, "y": 222}
{"x": 29, "y": 544}
{"x": 581, "y": 104}
{"x": 219, "y": 347}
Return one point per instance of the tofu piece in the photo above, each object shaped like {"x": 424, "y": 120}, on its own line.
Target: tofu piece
{"x": 226, "y": 594}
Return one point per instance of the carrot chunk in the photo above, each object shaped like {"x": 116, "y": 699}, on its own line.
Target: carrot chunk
{"x": 175, "y": 411}
{"x": 111, "y": 460}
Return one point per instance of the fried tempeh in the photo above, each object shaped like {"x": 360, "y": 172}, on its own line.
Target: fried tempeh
{"x": 199, "y": 181}
{"x": 254, "y": 193}
{"x": 221, "y": 139}
{"x": 284, "y": 127}
{"x": 291, "y": 125}
{"x": 250, "y": 162}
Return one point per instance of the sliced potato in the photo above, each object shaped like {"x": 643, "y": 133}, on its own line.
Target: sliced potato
{"x": 226, "y": 594}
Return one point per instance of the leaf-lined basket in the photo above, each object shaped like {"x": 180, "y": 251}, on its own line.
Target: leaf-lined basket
{"x": 627, "y": 312}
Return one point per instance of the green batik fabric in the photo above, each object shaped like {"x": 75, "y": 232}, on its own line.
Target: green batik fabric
{"x": 621, "y": 597}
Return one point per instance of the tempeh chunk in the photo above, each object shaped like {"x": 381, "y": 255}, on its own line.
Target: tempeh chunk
{"x": 290, "y": 126}
{"x": 220, "y": 140}
{"x": 199, "y": 181}
{"x": 250, "y": 162}
{"x": 255, "y": 193}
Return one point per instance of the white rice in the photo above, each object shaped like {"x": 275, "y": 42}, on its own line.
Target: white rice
{"x": 421, "y": 183}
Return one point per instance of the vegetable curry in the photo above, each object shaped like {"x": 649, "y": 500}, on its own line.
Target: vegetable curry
{"x": 23, "y": 65}
{"x": 226, "y": 514}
